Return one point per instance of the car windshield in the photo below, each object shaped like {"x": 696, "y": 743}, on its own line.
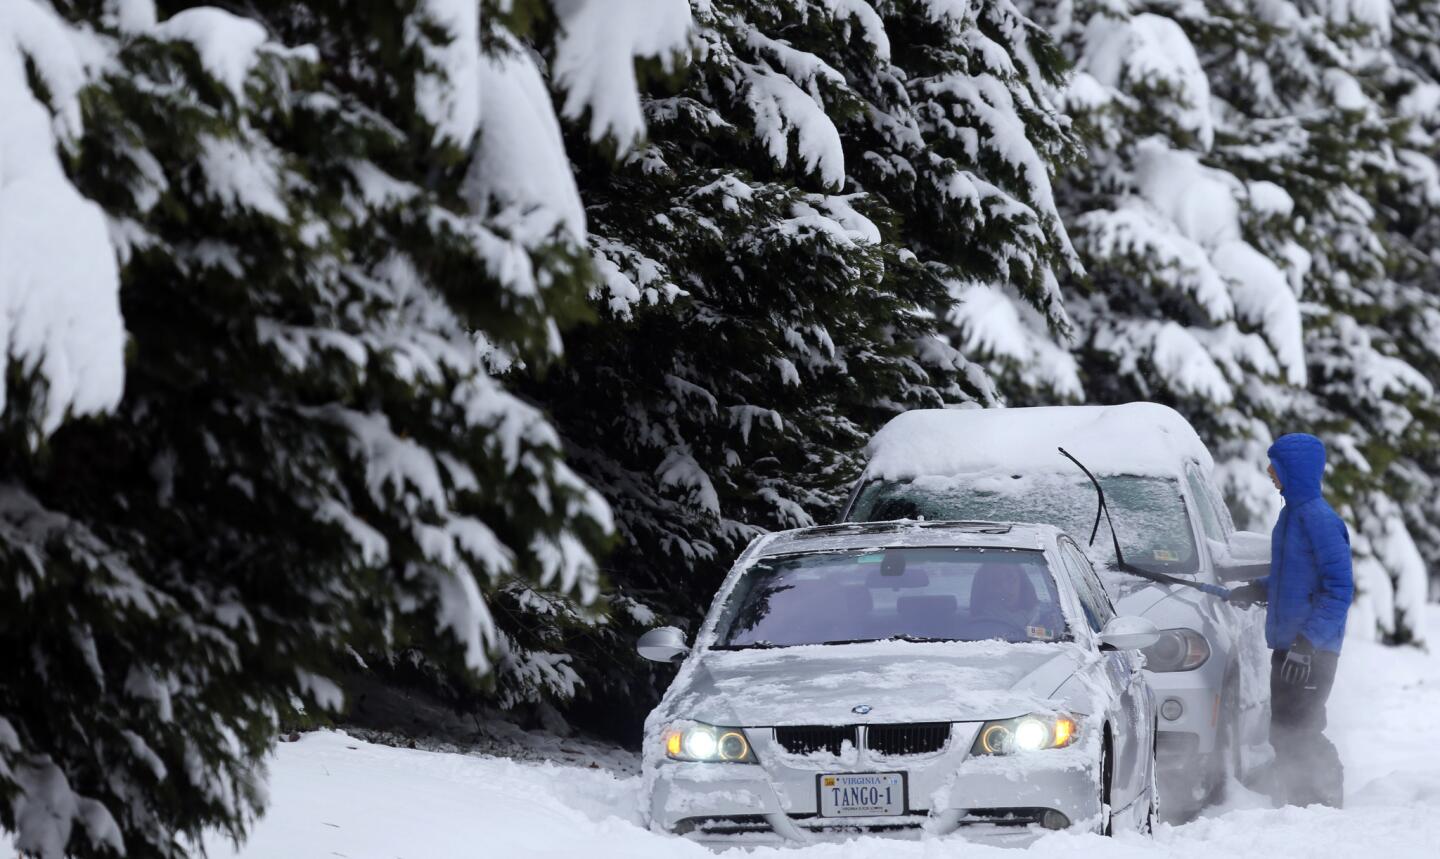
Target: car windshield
{"x": 918, "y": 594}
{"x": 1148, "y": 512}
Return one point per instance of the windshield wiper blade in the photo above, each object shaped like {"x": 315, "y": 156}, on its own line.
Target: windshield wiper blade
{"x": 754, "y": 645}
{"x": 1121, "y": 563}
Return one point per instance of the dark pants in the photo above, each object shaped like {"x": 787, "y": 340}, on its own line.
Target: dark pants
{"x": 1307, "y": 767}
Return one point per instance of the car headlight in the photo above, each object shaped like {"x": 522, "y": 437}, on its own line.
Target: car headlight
{"x": 1025, "y": 734}
{"x": 697, "y": 741}
{"x": 1177, "y": 650}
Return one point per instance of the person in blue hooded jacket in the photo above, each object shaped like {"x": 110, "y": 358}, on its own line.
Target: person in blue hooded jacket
{"x": 1307, "y": 596}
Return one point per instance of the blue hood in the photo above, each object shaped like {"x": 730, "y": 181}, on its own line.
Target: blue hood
{"x": 1299, "y": 459}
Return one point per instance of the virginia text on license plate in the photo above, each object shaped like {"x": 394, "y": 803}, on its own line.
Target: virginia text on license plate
{"x": 861, "y": 794}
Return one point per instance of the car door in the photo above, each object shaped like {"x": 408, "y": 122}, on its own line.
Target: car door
{"x": 1130, "y": 719}
{"x": 1201, "y": 501}
{"x": 1246, "y": 629}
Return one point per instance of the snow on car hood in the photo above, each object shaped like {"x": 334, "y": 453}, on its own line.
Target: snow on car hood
{"x": 899, "y": 681}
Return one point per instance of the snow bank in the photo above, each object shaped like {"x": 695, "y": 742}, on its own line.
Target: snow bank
{"x": 335, "y": 795}
{"x": 1137, "y": 438}
{"x": 59, "y": 280}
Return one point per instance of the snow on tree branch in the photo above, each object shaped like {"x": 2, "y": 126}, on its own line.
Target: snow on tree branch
{"x": 595, "y": 56}
{"x": 59, "y": 281}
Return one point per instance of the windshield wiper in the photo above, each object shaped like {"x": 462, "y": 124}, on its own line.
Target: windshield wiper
{"x": 1120, "y": 563}
{"x": 754, "y": 645}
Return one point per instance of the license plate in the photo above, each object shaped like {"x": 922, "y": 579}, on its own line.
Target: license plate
{"x": 861, "y": 794}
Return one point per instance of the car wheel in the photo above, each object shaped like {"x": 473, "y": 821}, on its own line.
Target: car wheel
{"x": 1152, "y": 816}
{"x": 1107, "y": 820}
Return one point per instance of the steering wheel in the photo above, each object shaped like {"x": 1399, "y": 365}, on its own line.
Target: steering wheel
{"x": 991, "y": 627}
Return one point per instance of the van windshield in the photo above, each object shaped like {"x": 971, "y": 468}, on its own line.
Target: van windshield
{"x": 1149, "y": 512}
{"x": 913, "y": 594}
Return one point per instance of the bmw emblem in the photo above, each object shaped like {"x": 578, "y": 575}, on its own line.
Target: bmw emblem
{"x": 861, "y": 710}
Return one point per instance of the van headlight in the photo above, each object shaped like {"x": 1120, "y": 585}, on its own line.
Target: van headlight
{"x": 697, "y": 741}
{"x": 1025, "y": 734}
{"x": 1177, "y": 650}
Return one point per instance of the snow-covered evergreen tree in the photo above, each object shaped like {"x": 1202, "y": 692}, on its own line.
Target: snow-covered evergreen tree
{"x": 1411, "y": 210}
{"x": 1227, "y": 218}
{"x": 775, "y": 257}
{"x": 1179, "y": 305}
{"x": 1304, "y": 111}
{"x": 967, "y": 159}
{"x": 307, "y": 237}
{"x": 748, "y": 315}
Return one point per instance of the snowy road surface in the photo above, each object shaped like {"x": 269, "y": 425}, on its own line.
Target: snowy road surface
{"x": 333, "y": 796}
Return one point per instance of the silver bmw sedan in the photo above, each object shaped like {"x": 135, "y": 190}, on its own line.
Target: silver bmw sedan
{"x": 912, "y": 679}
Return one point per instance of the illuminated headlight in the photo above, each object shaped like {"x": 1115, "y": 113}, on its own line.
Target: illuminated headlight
{"x": 697, "y": 741}
{"x": 1177, "y": 650}
{"x": 1025, "y": 734}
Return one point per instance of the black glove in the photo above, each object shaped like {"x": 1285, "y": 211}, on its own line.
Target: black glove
{"x": 1295, "y": 670}
{"x": 1248, "y": 595}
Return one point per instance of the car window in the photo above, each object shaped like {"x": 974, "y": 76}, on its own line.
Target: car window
{"x": 948, "y": 594}
{"x": 1217, "y": 500}
{"x": 1149, "y": 513}
{"x": 1093, "y": 599}
{"x": 1204, "y": 505}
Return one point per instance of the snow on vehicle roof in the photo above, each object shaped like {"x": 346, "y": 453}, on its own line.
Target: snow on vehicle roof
{"x": 1136, "y": 438}
{"x": 867, "y": 535}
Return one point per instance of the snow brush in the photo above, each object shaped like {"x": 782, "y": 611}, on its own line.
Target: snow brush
{"x": 1120, "y": 562}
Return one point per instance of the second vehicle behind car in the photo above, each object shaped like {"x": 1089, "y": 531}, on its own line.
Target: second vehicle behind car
{"x": 1209, "y": 667}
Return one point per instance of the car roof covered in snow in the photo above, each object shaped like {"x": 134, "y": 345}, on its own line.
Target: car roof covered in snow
{"x": 1135, "y": 438}
{"x": 876, "y": 535}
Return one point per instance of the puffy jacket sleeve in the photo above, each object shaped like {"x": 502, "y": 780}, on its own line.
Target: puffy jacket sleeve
{"x": 1330, "y": 542}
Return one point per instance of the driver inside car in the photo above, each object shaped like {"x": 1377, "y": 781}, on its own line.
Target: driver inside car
{"x": 1002, "y": 594}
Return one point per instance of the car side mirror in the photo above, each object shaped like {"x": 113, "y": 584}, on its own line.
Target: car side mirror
{"x": 1247, "y": 557}
{"x": 665, "y": 644}
{"x": 1128, "y": 633}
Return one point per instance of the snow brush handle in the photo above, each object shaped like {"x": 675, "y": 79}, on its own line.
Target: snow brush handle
{"x": 1214, "y": 590}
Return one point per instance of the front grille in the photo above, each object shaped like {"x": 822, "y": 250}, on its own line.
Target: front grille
{"x": 905, "y": 739}
{"x": 910, "y": 823}
{"x": 915, "y": 739}
{"x": 733, "y": 824}
{"x": 1002, "y": 816}
{"x": 748, "y": 826}
{"x": 806, "y": 739}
